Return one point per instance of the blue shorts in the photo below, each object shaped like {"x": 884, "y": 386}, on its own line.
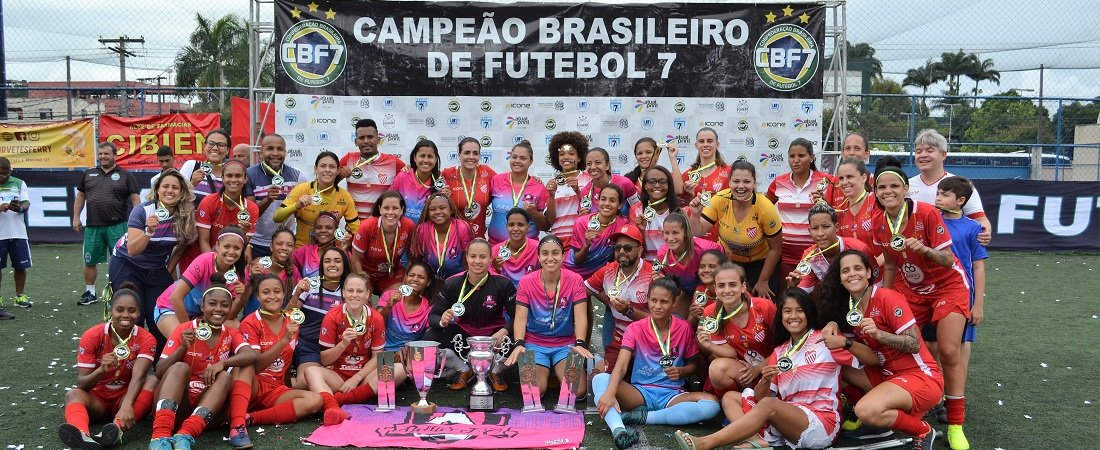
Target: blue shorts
{"x": 549, "y": 357}
{"x": 658, "y": 397}
{"x": 20, "y": 252}
{"x": 159, "y": 312}
{"x": 307, "y": 352}
{"x": 928, "y": 333}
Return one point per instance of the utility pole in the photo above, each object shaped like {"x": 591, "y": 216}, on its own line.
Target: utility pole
{"x": 120, "y": 48}
{"x": 68, "y": 88}
{"x": 160, "y": 99}
{"x": 3, "y": 69}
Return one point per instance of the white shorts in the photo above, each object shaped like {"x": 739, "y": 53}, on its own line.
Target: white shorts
{"x": 814, "y": 436}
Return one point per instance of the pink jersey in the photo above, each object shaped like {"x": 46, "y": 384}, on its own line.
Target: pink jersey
{"x": 505, "y": 195}
{"x": 923, "y": 277}
{"x": 403, "y": 326}
{"x": 550, "y": 313}
{"x": 519, "y": 263}
{"x": 369, "y": 181}
{"x": 444, "y": 257}
{"x": 646, "y": 346}
{"x": 590, "y": 191}
{"x": 653, "y": 231}
{"x": 815, "y": 381}
{"x": 794, "y": 203}
{"x": 414, "y": 192}
{"x": 599, "y": 250}
{"x": 197, "y": 278}
{"x": 687, "y": 272}
{"x": 819, "y": 265}
{"x": 633, "y": 287}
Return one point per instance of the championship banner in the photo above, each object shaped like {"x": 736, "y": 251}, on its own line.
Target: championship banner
{"x": 50, "y": 218}
{"x": 138, "y": 138}
{"x": 56, "y": 145}
{"x": 452, "y": 428}
{"x": 504, "y": 73}
{"x": 1042, "y": 215}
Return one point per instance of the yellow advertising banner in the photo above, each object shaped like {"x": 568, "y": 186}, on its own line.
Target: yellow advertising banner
{"x": 56, "y": 145}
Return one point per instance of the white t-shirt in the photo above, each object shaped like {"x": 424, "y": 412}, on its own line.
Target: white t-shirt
{"x": 12, "y": 225}
{"x": 924, "y": 192}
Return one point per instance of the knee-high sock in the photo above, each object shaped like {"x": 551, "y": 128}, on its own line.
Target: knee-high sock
{"x": 276, "y": 415}
{"x": 683, "y": 413}
{"x": 358, "y": 395}
{"x": 76, "y": 414}
{"x": 143, "y": 403}
{"x": 910, "y": 424}
{"x": 239, "y": 398}
{"x": 613, "y": 419}
{"x": 164, "y": 420}
{"x": 956, "y": 410}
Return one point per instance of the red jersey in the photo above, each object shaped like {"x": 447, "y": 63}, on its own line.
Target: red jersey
{"x": 815, "y": 381}
{"x": 891, "y": 314}
{"x": 476, "y": 188}
{"x": 368, "y": 181}
{"x": 922, "y": 277}
{"x": 753, "y": 343}
{"x": 368, "y": 239}
{"x": 633, "y": 287}
{"x": 97, "y": 342}
{"x": 261, "y": 337}
{"x": 361, "y": 349}
{"x": 202, "y": 354}
{"x": 215, "y": 212}
{"x": 859, "y": 224}
{"x": 718, "y": 179}
{"x": 793, "y": 203}
{"x": 819, "y": 265}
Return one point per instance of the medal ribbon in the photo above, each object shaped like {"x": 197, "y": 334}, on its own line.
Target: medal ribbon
{"x": 352, "y": 321}
{"x": 949, "y": 211}
{"x": 462, "y": 295}
{"x": 469, "y": 194}
{"x": 795, "y": 347}
{"x": 269, "y": 170}
{"x": 516, "y": 253}
{"x": 430, "y": 178}
{"x": 703, "y": 168}
{"x": 664, "y": 261}
{"x": 362, "y": 162}
{"x": 667, "y": 344}
{"x": 895, "y": 226}
{"x": 557, "y": 296}
{"x": 718, "y": 314}
{"x": 658, "y": 202}
{"x": 386, "y": 247}
{"x": 854, "y": 302}
{"x": 619, "y": 282}
{"x": 512, "y": 186}
{"x": 239, "y": 205}
{"x": 322, "y": 191}
{"x": 121, "y": 341}
{"x": 813, "y": 255}
{"x": 851, "y": 203}
{"x": 440, "y": 251}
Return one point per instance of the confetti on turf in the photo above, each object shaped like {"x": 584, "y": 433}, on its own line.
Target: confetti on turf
{"x": 19, "y": 349}
{"x": 1000, "y": 403}
{"x": 1027, "y": 417}
{"x": 1088, "y": 402}
{"x": 1043, "y": 364}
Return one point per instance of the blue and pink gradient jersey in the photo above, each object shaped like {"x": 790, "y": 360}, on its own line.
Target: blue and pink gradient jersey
{"x": 639, "y": 339}
{"x": 197, "y": 277}
{"x": 401, "y": 326}
{"x": 519, "y": 264}
{"x": 550, "y": 316}
{"x": 414, "y": 192}
{"x": 599, "y": 252}
{"x": 505, "y": 195}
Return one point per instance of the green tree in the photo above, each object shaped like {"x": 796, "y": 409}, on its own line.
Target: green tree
{"x": 865, "y": 51}
{"x": 955, "y": 66}
{"x": 216, "y": 57}
{"x": 924, "y": 77}
{"x": 983, "y": 71}
{"x": 1007, "y": 120}
{"x": 1078, "y": 113}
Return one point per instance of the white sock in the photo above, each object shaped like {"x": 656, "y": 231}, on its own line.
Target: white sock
{"x": 90, "y": 288}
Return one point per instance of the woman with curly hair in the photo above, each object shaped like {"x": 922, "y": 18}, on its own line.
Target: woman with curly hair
{"x": 568, "y": 151}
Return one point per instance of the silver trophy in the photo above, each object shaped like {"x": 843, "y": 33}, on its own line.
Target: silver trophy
{"x": 481, "y": 355}
{"x": 424, "y": 362}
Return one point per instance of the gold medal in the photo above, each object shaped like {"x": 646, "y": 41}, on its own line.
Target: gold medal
{"x": 203, "y": 332}
{"x": 340, "y": 234}
{"x": 613, "y": 292}
{"x": 710, "y": 325}
{"x": 704, "y": 199}
{"x": 440, "y": 183}
{"x": 360, "y": 329}
{"x": 586, "y": 202}
{"x": 122, "y": 351}
{"x": 701, "y": 298}
{"x": 244, "y": 216}
{"x": 803, "y": 268}
{"x": 854, "y": 317}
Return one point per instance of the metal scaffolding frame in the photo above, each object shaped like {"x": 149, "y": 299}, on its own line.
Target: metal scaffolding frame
{"x": 261, "y": 43}
{"x": 836, "y": 93}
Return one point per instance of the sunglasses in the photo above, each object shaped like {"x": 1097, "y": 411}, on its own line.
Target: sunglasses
{"x": 624, "y": 247}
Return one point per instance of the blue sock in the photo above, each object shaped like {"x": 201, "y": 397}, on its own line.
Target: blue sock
{"x": 683, "y": 413}
{"x": 613, "y": 419}
{"x": 608, "y": 327}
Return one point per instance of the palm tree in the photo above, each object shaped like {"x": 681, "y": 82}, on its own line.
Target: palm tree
{"x": 983, "y": 71}
{"x": 213, "y": 59}
{"x": 954, "y": 66}
{"x": 865, "y": 51}
{"x": 924, "y": 77}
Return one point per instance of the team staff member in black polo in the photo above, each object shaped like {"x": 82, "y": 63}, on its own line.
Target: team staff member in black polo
{"x": 108, "y": 191}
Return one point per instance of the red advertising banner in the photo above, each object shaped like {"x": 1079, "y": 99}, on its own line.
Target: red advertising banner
{"x": 138, "y": 138}
{"x": 242, "y": 118}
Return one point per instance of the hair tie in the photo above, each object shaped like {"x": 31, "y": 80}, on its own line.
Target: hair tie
{"x": 217, "y": 288}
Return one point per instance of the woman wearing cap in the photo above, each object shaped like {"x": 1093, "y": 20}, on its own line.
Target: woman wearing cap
{"x": 748, "y": 227}
{"x": 568, "y": 151}
{"x": 468, "y": 184}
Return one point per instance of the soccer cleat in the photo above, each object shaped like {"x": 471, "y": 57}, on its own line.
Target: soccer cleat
{"x": 22, "y": 301}
{"x": 76, "y": 439}
{"x": 926, "y": 440}
{"x": 163, "y": 443}
{"x": 462, "y": 380}
{"x": 938, "y": 412}
{"x": 4, "y": 315}
{"x": 635, "y": 416}
{"x": 497, "y": 380}
{"x": 109, "y": 436}
{"x": 956, "y": 439}
{"x": 625, "y": 437}
{"x": 87, "y": 298}
{"x": 182, "y": 442}
{"x": 238, "y": 438}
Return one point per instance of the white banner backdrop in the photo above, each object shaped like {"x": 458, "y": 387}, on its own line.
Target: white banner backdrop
{"x": 756, "y": 129}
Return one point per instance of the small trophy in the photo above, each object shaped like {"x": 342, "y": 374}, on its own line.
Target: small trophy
{"x": 574, "y": 376}
{"x": 385, "y": 382}
{"x": 424, "y": 362}
{"x": 529, "y": 383}
{"x": 481, "y": 355}
{"x": 590, "y": 365}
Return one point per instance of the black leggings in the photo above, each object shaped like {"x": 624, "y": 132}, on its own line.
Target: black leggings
{"x": 150, "y": 284}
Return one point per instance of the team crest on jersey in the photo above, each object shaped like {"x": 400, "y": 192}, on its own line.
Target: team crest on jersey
{"x": 489, "y": 302}
{"x": 919, "y": 226}
{"x": 752, "y": 232}
{"x": 867, "y": 225}
{"x": 810, "y": 356}
{"x": 939, "y": 230}
{"x": 897, "y": 312}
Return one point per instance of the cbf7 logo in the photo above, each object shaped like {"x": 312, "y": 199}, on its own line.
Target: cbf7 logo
{"x": 786, "y": 57}
{"x": 312, "y": 53}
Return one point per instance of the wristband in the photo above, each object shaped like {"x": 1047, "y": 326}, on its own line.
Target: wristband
{"x": 847, "y": 343}
{"x": 519, "y": 342}
{"x": 629, "y": 313}
{"x": 149, "y": 233}
{"x": 580, "y": 343}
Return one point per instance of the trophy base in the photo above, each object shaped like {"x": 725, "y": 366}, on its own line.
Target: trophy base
{"x": 482, "y": 403}
{"x": 423, "y": 409}
{"x": 565, "y": 408}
